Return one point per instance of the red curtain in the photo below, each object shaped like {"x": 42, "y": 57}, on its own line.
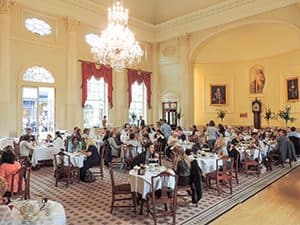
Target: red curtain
{"x": 139, "y": 77}
{"x": 90, "y": 69}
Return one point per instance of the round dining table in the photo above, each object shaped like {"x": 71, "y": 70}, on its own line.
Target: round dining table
{"x": 141, "y": 184}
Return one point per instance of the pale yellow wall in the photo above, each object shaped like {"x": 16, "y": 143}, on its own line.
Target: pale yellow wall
{"x": 51, "y": 52}
{"x": 236, "y": 75}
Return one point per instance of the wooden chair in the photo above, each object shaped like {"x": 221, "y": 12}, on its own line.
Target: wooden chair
{"x": 25, "y": 161}
{"x": 160, "y": 149}
{"x": 250, "y": 165}
{"x": 100, "y": 172}
{"x": 64, "y": 171}
{"x": 223, "y": 173}
{"x": 122, "y": 190}
{"x": 163, "y": 197}
{"x": 132, "y": 153}
{"x": 236, "y": 165}
{"x": 23, "y": 183}
{"x": 16, "y": 149}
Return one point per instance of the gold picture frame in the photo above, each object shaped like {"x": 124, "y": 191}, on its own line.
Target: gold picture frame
{"x": 292, "y": 89}
{"x": 218, "y": 94}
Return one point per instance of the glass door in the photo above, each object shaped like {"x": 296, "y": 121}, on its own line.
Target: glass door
{"x": 38, "y": 110}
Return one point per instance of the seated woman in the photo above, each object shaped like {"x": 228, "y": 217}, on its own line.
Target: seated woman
{"x": 93, "y": 159}
{"x": 145, "y": 156}
{"x": 135, "y": 144}
{"x": 182, "y": 166}
{"x": 8, "y": 167}
{"x": 26, "y": 148}
{"x": 49, "y": 139}
{"x": 58, "y": 142}
{"x": 115, "y": 148}
{"x": 74, "y": 144}
{"x": 220, "y": 147}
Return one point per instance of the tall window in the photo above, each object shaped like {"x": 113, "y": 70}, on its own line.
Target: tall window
{"x": 138, "y": 105}
{"x": 38, "y": 98}
{"x": 96, "y": 105}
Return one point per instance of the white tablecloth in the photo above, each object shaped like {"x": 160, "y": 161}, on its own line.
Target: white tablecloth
{"x": 76, "y": 159}
{"x": 142, "y": 183}
{"x": 53, "y": 214}
{"x": 253, "y": 153}
{"x": 43, "y": 153}
{"x": 207, "y": 164}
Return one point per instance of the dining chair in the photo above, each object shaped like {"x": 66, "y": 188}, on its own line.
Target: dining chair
{"x": 121, "y": 192}
{"x": 250, "y": 165}
{"x": 64, "y": 171}
{"x": 22, "y": 178}
{"x": 98, "y": 171}
{"x": 163, "y": 196}
{"x": 160, "y": 149}
{"x": 130, "y": 152}
{"x": 16, "y": 149}
{"x": 223, "y": 173}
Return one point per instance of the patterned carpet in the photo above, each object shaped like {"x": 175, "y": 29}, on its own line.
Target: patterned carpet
{"x": 89, "y": 203}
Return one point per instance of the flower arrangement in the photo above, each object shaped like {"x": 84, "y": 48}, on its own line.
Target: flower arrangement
{"x": 221, "y": 113}
{"x": 269, "y": 115}
{"x": 285, "y": 115}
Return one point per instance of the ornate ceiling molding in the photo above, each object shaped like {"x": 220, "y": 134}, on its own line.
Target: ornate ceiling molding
{"x": 5, "y": 6}
{"x": 219, "y": 14}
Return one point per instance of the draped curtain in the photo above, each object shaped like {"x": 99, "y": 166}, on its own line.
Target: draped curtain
{"x": 90, "y": 69}
{"x": 139, "y": 77}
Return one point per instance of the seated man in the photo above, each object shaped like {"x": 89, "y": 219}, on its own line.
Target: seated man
{"x": 29, "y": 136}
{"x": 281, "y": 140}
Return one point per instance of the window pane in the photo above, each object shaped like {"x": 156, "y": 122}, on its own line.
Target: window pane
{"x": 96, "y": 105}
{"x": 138, "y": 104}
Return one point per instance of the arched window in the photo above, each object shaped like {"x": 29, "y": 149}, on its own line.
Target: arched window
{"x": 38, "y": 101}
{"x": 96, "y": 105}
{"x": 38, "y": 74}
{"x": 138, "y": 104}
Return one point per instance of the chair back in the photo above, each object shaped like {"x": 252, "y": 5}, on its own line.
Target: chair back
{"x": 16, "y": 149}
{"x": 131, "y": 150}
{"x": 225, "y": 166}
{"x": 159, "y": 147}
{"x": 62, "y": 160}
{"x": 22, "y": 178}
{"x": 167, "y": 193}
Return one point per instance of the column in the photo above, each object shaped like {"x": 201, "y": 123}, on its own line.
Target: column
{"x": 156, "y": 104}
{"x": 5, "y": 121}
{"x": 119, "y": 113}
{"x": 73, "y": 78}
{"x": 186, "y": 85}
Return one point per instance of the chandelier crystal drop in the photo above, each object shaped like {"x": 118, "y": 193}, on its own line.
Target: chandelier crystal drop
{"x": 116, "y": 47}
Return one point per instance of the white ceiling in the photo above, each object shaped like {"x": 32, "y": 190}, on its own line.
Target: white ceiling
{"x": 159, "y": 11}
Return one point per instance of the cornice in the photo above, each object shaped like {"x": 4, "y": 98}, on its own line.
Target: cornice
{"x": 219, "y": 14}
{"x": 202, "y": 13}
{"x": 5, "y": 6}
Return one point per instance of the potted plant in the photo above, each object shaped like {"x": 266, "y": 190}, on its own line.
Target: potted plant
{"x": 179, "y": 115}
{"x": 269, "y": 115}
{"x": 285, "y": 115}
{"x": 221, "y": 113}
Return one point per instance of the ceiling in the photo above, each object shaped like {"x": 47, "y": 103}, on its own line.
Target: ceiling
{"x": 249, "y": 42}
{"x": 159, "y": 11}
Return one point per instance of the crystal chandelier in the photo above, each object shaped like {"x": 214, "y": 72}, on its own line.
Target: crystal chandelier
{"x": 116, "y": 47}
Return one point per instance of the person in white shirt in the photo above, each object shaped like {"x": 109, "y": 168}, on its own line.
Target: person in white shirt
{"x": 58, "y": 142}
{"x": 26, "y": 148}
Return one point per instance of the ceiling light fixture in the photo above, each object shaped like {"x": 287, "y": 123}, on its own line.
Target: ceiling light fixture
{"x": 116, "y": 47}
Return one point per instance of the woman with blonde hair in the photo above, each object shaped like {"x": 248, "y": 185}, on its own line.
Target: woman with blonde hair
{"x": 220, "y": 147}
{"x": 182, "y": 166}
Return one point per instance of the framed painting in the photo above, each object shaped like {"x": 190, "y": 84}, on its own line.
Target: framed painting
{"x": 218, "y": 94}
{"x": 292, "y": 89}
